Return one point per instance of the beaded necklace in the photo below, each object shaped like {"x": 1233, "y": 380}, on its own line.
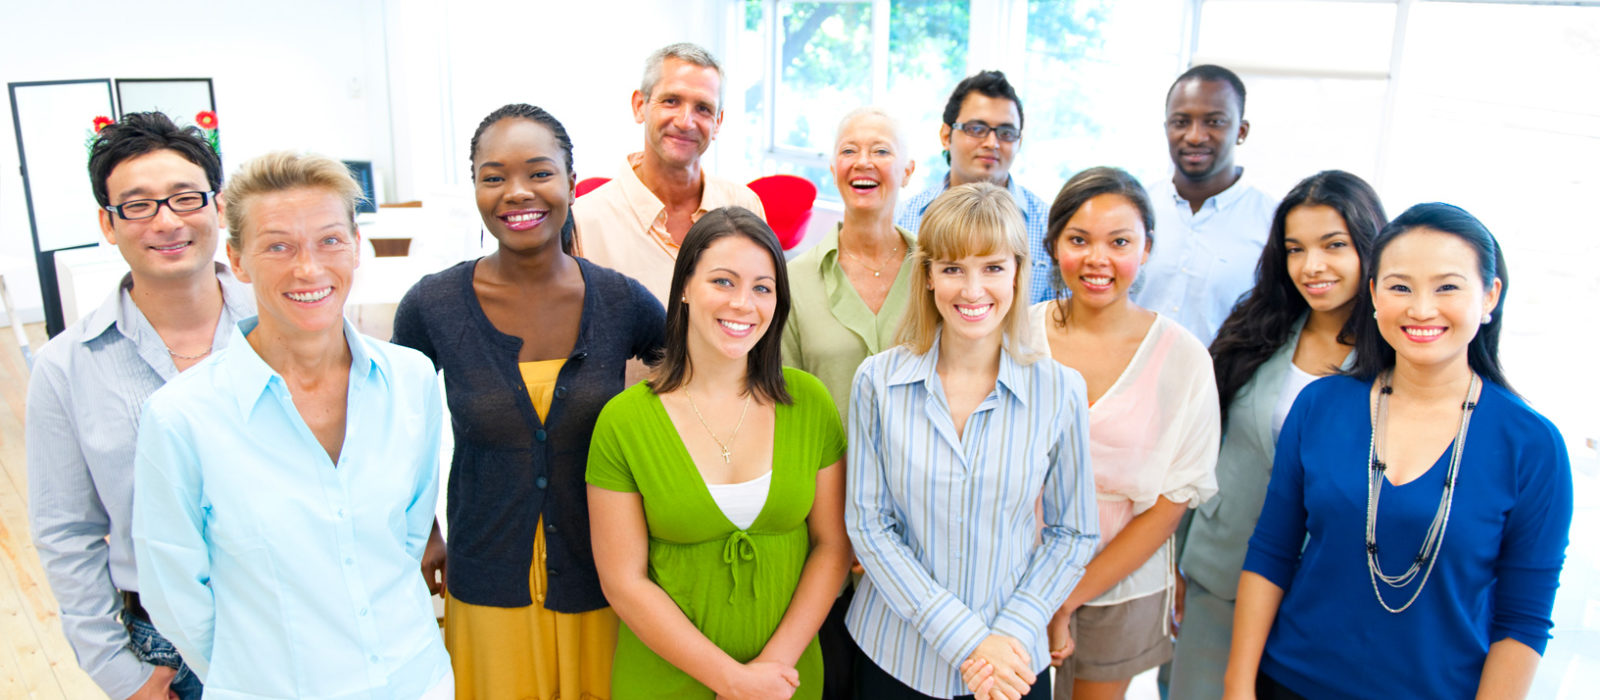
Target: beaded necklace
{"x": 1434, "y": 541}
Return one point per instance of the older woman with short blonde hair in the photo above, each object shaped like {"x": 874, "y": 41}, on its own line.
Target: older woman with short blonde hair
{"x": 285, "y": 486}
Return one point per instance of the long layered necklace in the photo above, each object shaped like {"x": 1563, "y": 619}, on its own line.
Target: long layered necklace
{"x": 1433, "y": 542}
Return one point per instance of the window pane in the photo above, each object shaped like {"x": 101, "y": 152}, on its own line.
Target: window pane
{"x": 927, "y": 57}
{"x": 1091, "y": 88}
{"x": 1295, "y": 35}
{"x": 825, "y": 70}
{"x": 1300, "y": 126}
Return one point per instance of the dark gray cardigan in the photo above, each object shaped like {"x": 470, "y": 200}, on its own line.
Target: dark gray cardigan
{"x": 510, "y": 468}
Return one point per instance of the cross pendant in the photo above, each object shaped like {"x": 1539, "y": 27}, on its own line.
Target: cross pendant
{"x": 726, "y": 459}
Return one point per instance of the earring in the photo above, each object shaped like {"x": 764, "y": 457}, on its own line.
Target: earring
{"x": 1487, "y": 317}
{"x": 684, "y": 299}
{"x": 1374, "y": 314}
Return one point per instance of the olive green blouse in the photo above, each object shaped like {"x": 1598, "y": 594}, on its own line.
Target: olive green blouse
{"x": 830, "y": 329}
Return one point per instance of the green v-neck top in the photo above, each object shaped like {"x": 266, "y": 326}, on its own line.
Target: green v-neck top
{"x": 734, "y": 585}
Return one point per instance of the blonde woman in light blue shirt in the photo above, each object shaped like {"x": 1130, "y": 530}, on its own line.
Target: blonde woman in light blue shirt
{"x": 955, "y": 436}
{"x": 284, "y": 488}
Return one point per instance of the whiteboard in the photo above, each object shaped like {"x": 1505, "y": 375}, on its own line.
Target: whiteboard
{"x": 54, "y": 120}
{"x": 178, "y": 98}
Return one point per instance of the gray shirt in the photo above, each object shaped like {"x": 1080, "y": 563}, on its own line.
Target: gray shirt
{"x": 84, "y": 397}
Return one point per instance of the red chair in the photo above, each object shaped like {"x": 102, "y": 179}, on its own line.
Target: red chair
{"x": 788, "y": 201}
{"x": 586, "y": 185}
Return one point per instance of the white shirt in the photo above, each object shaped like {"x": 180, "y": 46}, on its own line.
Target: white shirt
{"x": 1203, "y": 261}
{"x": 742, "y": 502}
{"x": 1293, "y": 382}
{"x": 1154, "y": 433}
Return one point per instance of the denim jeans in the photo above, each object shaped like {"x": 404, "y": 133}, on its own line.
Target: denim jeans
{"x": 152, "y": 648}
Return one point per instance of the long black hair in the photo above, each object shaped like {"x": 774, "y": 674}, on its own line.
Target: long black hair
{"x": 764, "y": 364}
{"x": 1374, "y": 355}
{"x": 538, "y": 116}
{"x": 1262, "y": 321}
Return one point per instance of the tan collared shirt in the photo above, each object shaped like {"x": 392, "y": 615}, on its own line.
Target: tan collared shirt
{"x": 623, "y": 225}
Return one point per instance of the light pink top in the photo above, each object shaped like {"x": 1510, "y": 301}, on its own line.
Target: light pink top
{"x": 1154, "y": 433}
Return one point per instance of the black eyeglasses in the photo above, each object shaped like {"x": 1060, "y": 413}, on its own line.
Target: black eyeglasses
{"x": 182, "y": 202}
{"x": 980, "y": 130}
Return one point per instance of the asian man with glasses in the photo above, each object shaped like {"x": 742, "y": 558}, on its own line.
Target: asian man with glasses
{"x": 981, "y": 133}
{"x": 155, "y": 184}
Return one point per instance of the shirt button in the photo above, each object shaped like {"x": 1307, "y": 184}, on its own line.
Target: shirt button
{"x": 363, "y": 612}
{"x": 349, "y": 562}
{"x": 539, "y": 435}
{"x": 541, "y": 482}
{"x": 1174, "y": 309}
{"x": 561, "y": 392}
{"x": 373, "y": 658}
{"x": 341, "y": 512}
{"x": 550, "y": 528}
{"x": 553, "y": 573}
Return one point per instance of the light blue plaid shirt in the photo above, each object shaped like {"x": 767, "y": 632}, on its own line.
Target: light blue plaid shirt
{"x": 943, "y": 522}
{"x": 1035, "y": 214}
{"x": 83, "y": 419}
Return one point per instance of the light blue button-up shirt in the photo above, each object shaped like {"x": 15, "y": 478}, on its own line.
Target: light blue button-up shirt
{"x": 1203, "y": 261}
{"x": 83, "y": 418}
{"x": 1035, "y": 216}
{"x": 944, "y": 522}
{"x": 277, "y": 572}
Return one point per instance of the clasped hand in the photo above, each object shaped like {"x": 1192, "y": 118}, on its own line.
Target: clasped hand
{"x": 1060, "y": 634}
{"x": 761, "y": 680}
{"x": 998, "y": 668}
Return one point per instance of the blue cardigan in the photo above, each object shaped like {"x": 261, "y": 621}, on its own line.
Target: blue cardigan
{"x": 1495, "y": 578}
{"x": 509, "y": 468}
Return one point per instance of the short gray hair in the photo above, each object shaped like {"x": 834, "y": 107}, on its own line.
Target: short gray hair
{"x": 688, "y": 53}
{"x": 895, "y": 129}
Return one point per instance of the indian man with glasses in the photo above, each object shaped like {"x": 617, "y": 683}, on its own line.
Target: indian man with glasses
{"x": 981, "y": 133}
{"x": 157, "y": 186}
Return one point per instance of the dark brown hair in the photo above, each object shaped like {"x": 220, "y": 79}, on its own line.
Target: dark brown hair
{"x": 764, "y": 364}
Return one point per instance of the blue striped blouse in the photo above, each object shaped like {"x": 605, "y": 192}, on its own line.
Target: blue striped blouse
{"x": 944, "y": 522}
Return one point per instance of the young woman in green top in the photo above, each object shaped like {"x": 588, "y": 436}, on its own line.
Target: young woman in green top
{"x": 716, "y": 489}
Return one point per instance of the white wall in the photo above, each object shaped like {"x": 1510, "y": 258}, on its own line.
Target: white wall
{"x": 301, "y": 74}
{"x": 453, "y": 64}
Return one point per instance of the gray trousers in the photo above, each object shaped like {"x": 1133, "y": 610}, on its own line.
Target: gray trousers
{"x": 1201, "y": 656}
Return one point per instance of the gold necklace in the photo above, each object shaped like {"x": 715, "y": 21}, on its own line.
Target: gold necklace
{"x": 727, "y": 457}
{"x": 876, "y": 271}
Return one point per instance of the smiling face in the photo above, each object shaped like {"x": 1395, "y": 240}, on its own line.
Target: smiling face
{"x": 731, "y": 298}
{"x": 987, "y": 159}
{"x": 1322, "y": 259}
{"x": 522, "y": 185}
{"x": 1430, "y": 298}
{"x": 681, "y": 114}
{"x": 1100, "y": 250}
{"x": 974, "y": 294}
{"x": 869, "y": 165}
{"x": 300, "y": 252}
{"x": 169, "y": 245}
{"x": 1203, "y": 126}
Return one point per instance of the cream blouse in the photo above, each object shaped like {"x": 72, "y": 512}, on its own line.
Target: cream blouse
{"x": 1154, "y": 433}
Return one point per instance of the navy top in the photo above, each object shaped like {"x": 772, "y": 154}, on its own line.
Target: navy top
{"x": 1495, "y": 577}
{"x": 509, "y": 468}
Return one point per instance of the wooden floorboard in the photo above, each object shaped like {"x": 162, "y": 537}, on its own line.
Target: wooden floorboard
{"x": 35, "y": 660}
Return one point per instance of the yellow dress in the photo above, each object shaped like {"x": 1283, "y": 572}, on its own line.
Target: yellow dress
{"x": 530, "y": 652}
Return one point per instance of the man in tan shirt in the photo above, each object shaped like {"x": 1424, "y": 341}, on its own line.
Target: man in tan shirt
{"x": 634, "y": 223}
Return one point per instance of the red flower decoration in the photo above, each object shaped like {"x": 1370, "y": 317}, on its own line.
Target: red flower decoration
{"x": 102, "y": 122}
{"x": 206, "y": 119}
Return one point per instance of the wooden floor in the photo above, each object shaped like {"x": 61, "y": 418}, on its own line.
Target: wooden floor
{"x": 35, "y": 660}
